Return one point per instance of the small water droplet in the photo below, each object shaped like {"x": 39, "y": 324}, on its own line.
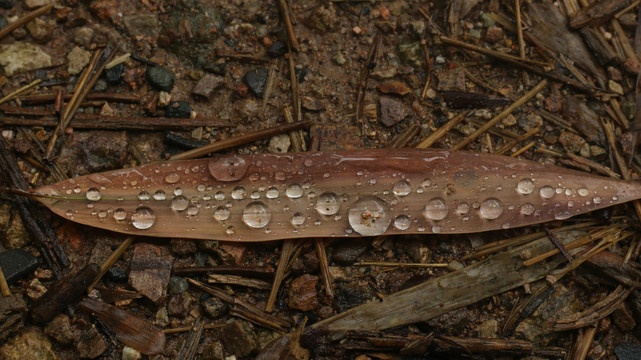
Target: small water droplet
{"x": 102, "y": 214}
{"x": 583, "y": 192}
{"x": 192, "y": 210}
{"x": 562, "y": 214}
{"x": 143, "y": 195}
{"x": 547, "y": 192}
{"x": 280, "y": 176}
{"x": 77, "y": 190}
{"x": 178, "y": 191}
{"x": 201, "y": 187}
{"x": 238, "y": 193}
{"x": 228, "y": 168}
{"x": 327, "y": 204}
{"x": 179, "y": 203}
{"x": 401, "y": 188}
{"x": 256, "y": 215}
{"x": 568, "y": 192}
{"x": 437, "y": 229}
{"x": 308, "y": 162}
{"x": 463, "y": 208}
{"x": 230, "y": 231}
{"x": 402, "y": 222}
{"x": 436, "y": 209}
{"x": 426, "y": 183}
{"x": 369, "y": 216}
{"x": 172, "y": 178}
{"x": 143, "y": 218}
{"x": 298, "y": 219}
{"x": 93, "y": 194}
{"x": 206, "y": 197}
{"x": 160, "y": 195}
{"x": 69, "y": 213}
{"x": 120, "y": 214}
{"x": 527, "y": 209}
{"x": 597, "y": 200}
{"x": 255, "y": 195}
{"x": 491, "y": 208}
{"x": 219, "y": 195}
{"x": 222, "y": 213}
{"x": 525, "y": 186}
{"x": 272, "y": 193}
{"x": 294, "y": 191}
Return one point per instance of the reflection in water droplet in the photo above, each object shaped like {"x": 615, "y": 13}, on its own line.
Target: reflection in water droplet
{"x": 230, "y": 231}
{"x": 256, "y": 215}
{"x": 238, "y": 193}
{"x": 583, "y": 192}
{"x": 327, "y": 204}
{"x": 491, "y": 208}
{"x": 426, "y": 183}
{"x": 228, "y": 168}
{"x": 527, "y": 209}
{"x": 294, "y": 191}
{"x": 143, "y": 195}
{"x": 201, "y": 187}
{"x": 547, "y": 192}
{"x": 436, "y": 209}
{"x": 463, "y": 208}
{"x": 255, "y": 195}
{"x": 525, "y": 186}
{"x": 219, "y": 195}
{"x": 401, "y": 188}
{"x": 597, "y": 200}
{"x": 272, "y": 193}
{"x": 179, "y": 203}
{"x": 172, "y": 178}
{"x": 160, "y": 195}
{"x": 143, "y": 218}
{"x": 369, "y": 216}
{"x": 120, "y": 214}
{"x": 298, "y": 219}
{"x": 93, "y": 194}
{"x": 402, "y": 222}
{"x": 221, "y": 213}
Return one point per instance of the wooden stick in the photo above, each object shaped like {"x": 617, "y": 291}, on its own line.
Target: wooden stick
{"x": 502, "y": 115}
{"x": 23, "y": 20}
{"x": 326, "y": 276}
{"x": 20, "y": 91}
{"x": 286, "y": 251}
{"x": 4, "y": 287}
{"x": 436, "y": 135}
{"x": 284, "y": 14}
{"x": 111, "y": 260}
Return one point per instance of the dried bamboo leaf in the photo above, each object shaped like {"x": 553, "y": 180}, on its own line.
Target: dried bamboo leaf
{"x": 353, "y": 193}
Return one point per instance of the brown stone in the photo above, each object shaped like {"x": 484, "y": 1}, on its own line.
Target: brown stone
{"x": 239, "y": 339}
{"x": 494, "y": 34}
{"x": 451, "y": 79}
{"x": 302, "y": 293}
{"x": 150, "y": 271}
{"x": 392, "y": 111}
{"x": 394, "y": 87}
{"x": 206, "y": 86}
{"x": 91, "y": 344}
{"x": 623, "y": 318}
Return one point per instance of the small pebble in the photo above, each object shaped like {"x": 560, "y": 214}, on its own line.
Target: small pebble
{"x": 160, "y": 78}
{"x": 206, "y": 86}
{"x": 494, "y": 33}
{"x": 130, "y": 354}
{"x": 177, "y": 285}
{"x": 178, "y": 109}
{"x": 214, "y": 307}
{"x": 627, "y": 351}
{"x": 279, "y": 144}
{"x": 302, "y": 293}
{"x": 277, "y": 49}
{"x": 17, "y": 264}
{"x": 114, "y": 75}
{"x": 394, "y": 87}
{"x": 615, "y": 86}
{"x": 77, "y": 59}
{"x": 256, "y": 80}
{"x": 164, "y": 98}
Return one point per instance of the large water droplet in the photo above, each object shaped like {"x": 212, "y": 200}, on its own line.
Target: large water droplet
{"x": 583, "y": 192}
{"x": 369, "y": 216}
{"x": 256, "y": 215}
{"x": 272, "y": 193}
{"x": 463, "y": 208}
{"x": 294, "y": 191}
{"x": 327, "y": 204}
{"x": 120, "y": 214}
{"x": 172, "y": 178}
{"x": 93, "y": 194}
{"x": 298, "y": 219}
{"x": 436, "y": 209}
{"x": 401, "y": 188}
{"x": 402, "y": 222}
{"x": 527, "y": 209}
{"x": 221, "y": 213}
{"x": 143, "y": 195}
{"x": 238, "y": 193}
{"x": 143, "y": 218}
{"x": 228, "y": 168}
{"x": 179, "y": 203}
{"x": 192, "y": 210}
{"x": 160, "y": 195}
{"x": 491, "y": 208}
{"x": 547, "y": 192}
{"x": 525, "y": 186}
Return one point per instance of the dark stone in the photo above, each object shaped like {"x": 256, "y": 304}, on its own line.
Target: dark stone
{"x": 114, "y": 74}
{"x": 178, "y": 109}
{"x": 348, "y": 251}
{"x": 256, "y": 80}
{"x": 392, "y": 111}
{"x": 178, "y": 305}
{"x": 17, "y": 264}
{"x": 91, "y": 344}
{"x": 627, "y": 351}
{"x": 177, "y": 285}
{"x": 214, "y": 307}
{"x": 160, "y": 78}
{"x": 116, "y": 274}
{"x": 353, "y": 294}
{"x": 217, "y": 67}
{"x": 3, "y": 22}
{"x": 277, "y": 49}
{"x": 6, "y": 4}
{"x": 239, "y": 339}
{"x": 183, "y": 246}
